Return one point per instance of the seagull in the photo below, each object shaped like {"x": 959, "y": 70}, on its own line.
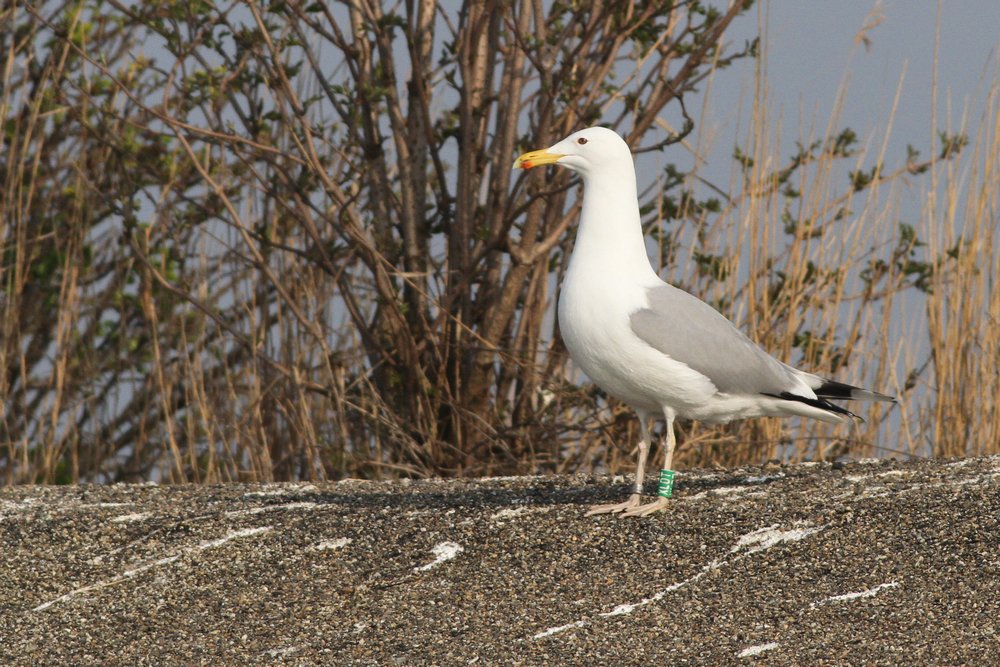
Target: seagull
{"x": 655, "y": 347}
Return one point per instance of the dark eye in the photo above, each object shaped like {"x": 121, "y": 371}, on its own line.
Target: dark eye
{"x": 581, "y": 141}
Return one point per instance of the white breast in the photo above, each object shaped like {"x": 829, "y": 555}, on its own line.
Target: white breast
{"x": 594, "y": 319}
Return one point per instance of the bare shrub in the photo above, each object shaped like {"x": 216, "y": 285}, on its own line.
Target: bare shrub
{"x": 283, "y": 241}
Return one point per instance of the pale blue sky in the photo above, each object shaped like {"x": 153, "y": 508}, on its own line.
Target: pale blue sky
{"x": 811, "y": 48}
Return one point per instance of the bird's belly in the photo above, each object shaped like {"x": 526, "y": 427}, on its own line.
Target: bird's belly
{"x": 601, "y": 343}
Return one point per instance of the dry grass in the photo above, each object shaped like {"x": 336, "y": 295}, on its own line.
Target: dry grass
{"x": 206, "y": 279}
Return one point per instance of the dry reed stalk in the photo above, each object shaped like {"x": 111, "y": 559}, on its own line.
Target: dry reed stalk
{"x": 287, "y": 268}
{"x": 963, "y": 312}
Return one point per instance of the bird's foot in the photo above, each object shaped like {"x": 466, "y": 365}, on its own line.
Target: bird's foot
{"x": 633, "y": 502}
{"x": 648, "y": 508}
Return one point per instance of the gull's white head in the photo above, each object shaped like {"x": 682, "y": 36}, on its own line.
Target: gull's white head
{"x": 586, "y": 152}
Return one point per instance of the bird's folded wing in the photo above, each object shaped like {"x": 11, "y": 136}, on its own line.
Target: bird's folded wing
{"x": 690, "y": 331}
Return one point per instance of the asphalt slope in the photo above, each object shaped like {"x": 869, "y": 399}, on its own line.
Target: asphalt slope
{"x": 877, "y": 563}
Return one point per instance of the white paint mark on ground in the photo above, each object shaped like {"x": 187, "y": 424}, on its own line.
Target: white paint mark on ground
{"x": 267, "y": 494}
{"x": 751, "y": 651}
{"x": 727, "y": 490}
{"x": 511, "y": 512}
{"x": 246, "y": 532}
{"x": 765, "y": 538}
{"x": 656, "y": 597}
{"x": 23, "y": 502}
{"x": 760, "y": 479}
{"x": 746, "y": 545}
{"x": 876, "y": 486}
{"x": 284, "y": 490}
{"x": 414, "y": 514}
{"x": 326, "y": 545}
{"x": 76, "y": 507}
{"x": 561, "y": 628}
{"x": 871, "y": 592}
{"x": 273, "y": 508}
{"x": 305, "y": 505}
{"x": 877, "y": 475}
{"x": 128, "y": 574}
{"x": 132, "y": 572}
{"x": 443, "y": 552}
{"x": 727, "y": 493}
{"x": 131, "y": 518}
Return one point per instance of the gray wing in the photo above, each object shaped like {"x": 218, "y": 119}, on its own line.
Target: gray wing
{"x": 690, "y": 331}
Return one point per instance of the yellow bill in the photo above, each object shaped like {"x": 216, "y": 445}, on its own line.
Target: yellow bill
{"x": 536, "y": 159}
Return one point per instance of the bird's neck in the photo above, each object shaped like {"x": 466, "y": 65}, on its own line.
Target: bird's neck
{"x": 610, "y": 232}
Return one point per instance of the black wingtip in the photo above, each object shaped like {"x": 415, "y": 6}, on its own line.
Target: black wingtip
{"x": 839, "y": 390}
{"x": 820, "y": 403}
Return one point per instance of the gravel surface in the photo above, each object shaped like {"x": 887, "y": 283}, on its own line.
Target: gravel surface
{"x": 877, "y": 563}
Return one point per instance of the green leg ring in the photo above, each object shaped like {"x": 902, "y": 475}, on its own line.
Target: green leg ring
{"x": 666, "y": 483}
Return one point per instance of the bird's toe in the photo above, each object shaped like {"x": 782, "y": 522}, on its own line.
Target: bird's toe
{"x": 648, "y": 508}
{"x": 633, "y": 502}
